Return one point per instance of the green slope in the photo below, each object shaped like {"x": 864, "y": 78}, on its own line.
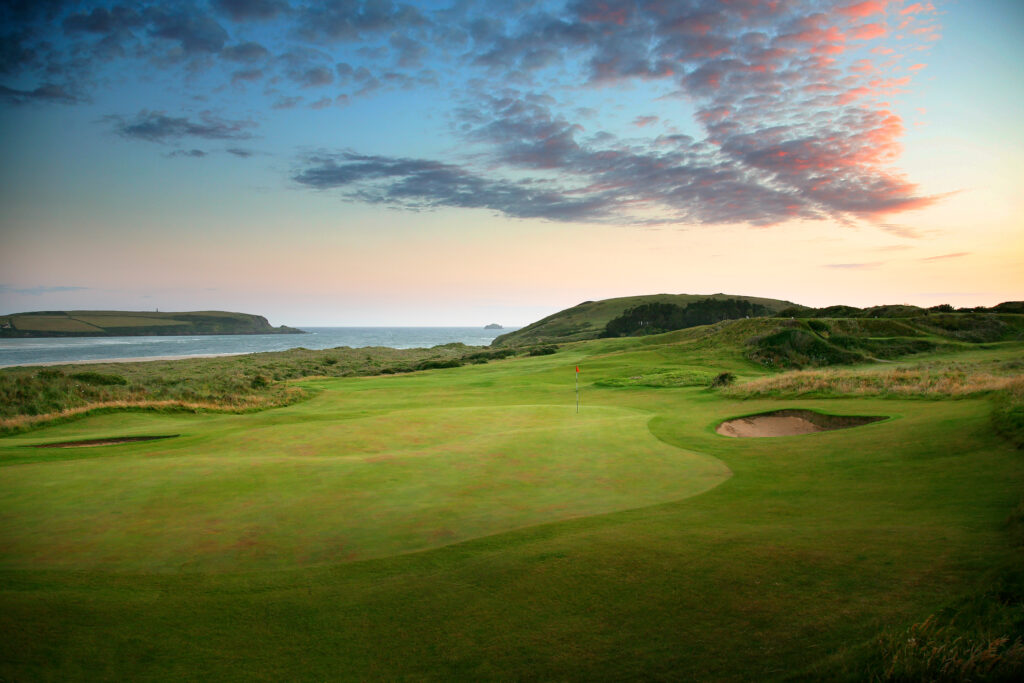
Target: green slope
{"x": 469, "y": 524}
{"x": 588, "y": 319}
{"x": 134, "y": 323}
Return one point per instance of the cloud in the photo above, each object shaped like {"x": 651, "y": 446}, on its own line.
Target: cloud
{"x": 155, "y": 126}
{"x": 42, "y": 289}
{"x": 942, "y": 257}
{"x": 868, "y": 31}
{"x": 103, "y": 21}
{"x": 422, "y": 184}
{"x": 864, "y": 9}
{"x": 410, "y": 52}
{"x": 250, "y": 10}
{"x": 45, "y": 93}
{"x": 245, "y": 52}
{"x": 246, "y": 75}
{"x": 901, "y": 230}
{"x": 240, "y": 152}
{"x": 287, "y": 102}
{"x": 791, "y": 97}
{"x": 194, "y": 32}
{"x": 192, "y": 153}
{"x": 314, "y": 77}
{"x": 855, "y": 266}
{"x": 349, "y": 20}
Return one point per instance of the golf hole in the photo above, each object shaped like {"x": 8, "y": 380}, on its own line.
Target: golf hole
{"x": 110, "y": 441}
{"x": 790, "y": 422}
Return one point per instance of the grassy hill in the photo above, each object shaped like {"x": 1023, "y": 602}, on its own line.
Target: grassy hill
{"x": 588, "y": 319}
{"x": 466, "y": 523}
{"x": 134, "y": 323}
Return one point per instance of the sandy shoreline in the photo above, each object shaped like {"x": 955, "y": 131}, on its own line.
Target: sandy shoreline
{"x": 137, "y": 359}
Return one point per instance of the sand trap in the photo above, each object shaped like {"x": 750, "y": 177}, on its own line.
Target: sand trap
{"x": 790, "y": 423}
{"x": 103, "y": 442}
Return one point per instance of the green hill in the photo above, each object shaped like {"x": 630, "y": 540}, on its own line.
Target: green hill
{"x": 134, "y": 323}
{"x": 589, "y": 319}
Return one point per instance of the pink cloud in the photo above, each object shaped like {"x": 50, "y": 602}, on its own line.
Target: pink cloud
{"x": 856, "y": 93}
{"x": 642, "y": 121}
{"x": 916, "y": 67}
{"x": 868, "y": 32}
{"x": 917, "y": 8}
{"x": 864, "y": 9}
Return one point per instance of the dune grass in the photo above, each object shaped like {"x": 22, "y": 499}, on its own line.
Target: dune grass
{"x": 468, "y": 524}
{"x": 35, "y": 395}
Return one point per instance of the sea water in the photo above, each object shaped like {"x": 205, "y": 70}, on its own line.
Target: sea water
{"x": 52, "y": 350}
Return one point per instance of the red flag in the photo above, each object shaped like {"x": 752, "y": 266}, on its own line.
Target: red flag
{"x": 577, "y": 369}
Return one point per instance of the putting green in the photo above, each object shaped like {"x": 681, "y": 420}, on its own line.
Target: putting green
{"x": 270, "y": 490}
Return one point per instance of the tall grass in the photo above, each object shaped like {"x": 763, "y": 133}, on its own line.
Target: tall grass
{"x": 922, "y": 382}
{"x": 31, "y": 396}
{"x": 1008, "y": 414}
{"x": 283, "y": 396}
{"x": 933, "y": 651}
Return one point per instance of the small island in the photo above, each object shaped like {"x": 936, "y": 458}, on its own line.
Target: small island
{"x": 134, "y": 324}
{"x": 493, "y": 326}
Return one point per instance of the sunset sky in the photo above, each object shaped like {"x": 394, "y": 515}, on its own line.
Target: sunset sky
{"x": 368, "y": 162}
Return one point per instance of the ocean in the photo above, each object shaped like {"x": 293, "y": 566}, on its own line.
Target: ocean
{"x": 54, "y": 350}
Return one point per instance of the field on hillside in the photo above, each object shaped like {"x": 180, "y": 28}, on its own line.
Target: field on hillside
{"x": 469, "y": 523}
{"x": 133, "y": 323}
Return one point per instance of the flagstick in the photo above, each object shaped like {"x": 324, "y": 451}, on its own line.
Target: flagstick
{"x": 577, "y": 388}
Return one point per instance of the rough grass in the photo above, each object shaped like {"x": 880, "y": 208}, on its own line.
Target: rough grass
{"x": 31, "y": 396}
{"x": 668, "y": 378}
{"x": 281, "y": 396}
{"x": 930, "y": 651}
{"x": 899, "y": 382}
{"x": 1008, "y": 413}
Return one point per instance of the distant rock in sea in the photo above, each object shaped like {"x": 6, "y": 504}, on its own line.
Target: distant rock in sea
{"x": 493, "y": 326}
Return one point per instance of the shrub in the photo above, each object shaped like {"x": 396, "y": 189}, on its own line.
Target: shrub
{"x": 723, "y": 379}
{"x": 438, "y": 364}
{"x": 99, "y": 379}
{"x": 655, "y": 318}
{"x": 542, "y": 350}
{"x": 796, "y": 348}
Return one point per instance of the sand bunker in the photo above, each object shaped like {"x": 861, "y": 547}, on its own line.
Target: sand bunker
{"x": 103, "y": 442}
{"x": 790, "y": 423}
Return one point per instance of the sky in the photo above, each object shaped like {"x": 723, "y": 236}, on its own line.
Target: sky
{"x": 455, "y": 162}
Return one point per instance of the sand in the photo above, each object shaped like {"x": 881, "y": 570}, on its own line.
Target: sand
{"x": 790, "y": 423}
